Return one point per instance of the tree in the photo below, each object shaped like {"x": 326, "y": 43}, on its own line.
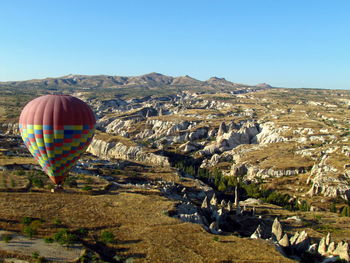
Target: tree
{"x": 222, "y": 186}
{"x": 64, "y": 237}
{"x": 107, "y": 237}
{"x": 333, "y": 208}
{"x": 29, "y": 231}
{"x": 345, "y": 211}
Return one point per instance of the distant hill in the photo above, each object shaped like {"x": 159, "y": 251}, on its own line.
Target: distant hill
{"x": 151, "y": 80}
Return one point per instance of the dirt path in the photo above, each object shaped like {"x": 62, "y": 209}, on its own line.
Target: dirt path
{"x": 28, "y": 246}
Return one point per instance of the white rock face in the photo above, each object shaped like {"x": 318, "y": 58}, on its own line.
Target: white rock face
{"x": 342, "y": 251}
{"x": 214, "y": 228}
{"x": 250, "y": 202}
{"x": 302, "y": 243}
{"x": 189, "y": 147}
{"x": 198, "y": 134}
{"x": 270, "y": 134}
{"x": 253, "y": 172}
{"x": 257, "y": 233}
{"x": 277, "y": 230}
{"x": 214, "y": 200}
{"x": 294, "y": 238}
{"x": 119, "y": 126}
{"x": 325, "y": 182}
{"x": 112, "y": 150}
{"x": 205, "y": 203}
{"x": 10, "y": 128}
{"x": 231, "y": 139}
{"x": 193, "y": 218}
{"x": 145, "y": 134}
{"x": 284, "y": 241}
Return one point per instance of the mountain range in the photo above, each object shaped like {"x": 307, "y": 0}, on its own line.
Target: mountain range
{"x": 148, "y": 80}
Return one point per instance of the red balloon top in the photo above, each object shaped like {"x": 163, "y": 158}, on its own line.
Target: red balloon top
{"x": 57, "y": 110}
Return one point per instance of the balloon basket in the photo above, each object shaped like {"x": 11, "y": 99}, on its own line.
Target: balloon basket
{"x": 57, "y": 188}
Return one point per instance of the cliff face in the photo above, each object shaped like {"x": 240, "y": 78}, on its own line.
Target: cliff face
{"x": 9, "y": 128}
{"x": 252, "y": 172}
{"x": 113, "y": 150}
{"x": 329, "y": 181}
{"x": 270, "y": 133}
{"x": 229, "y": 138}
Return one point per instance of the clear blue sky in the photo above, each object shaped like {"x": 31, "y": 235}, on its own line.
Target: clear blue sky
{"x": 289, "y": 43}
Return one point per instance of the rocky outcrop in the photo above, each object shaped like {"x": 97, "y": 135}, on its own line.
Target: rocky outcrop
{"x": 119, "y": 126}
{"x": 193, "y": 218}
{"x": 214, "y": 228}
{"x": 331, "y": 248}
{"x": 222, "y": 129}
{"x": 302, "y": 243}
{"x": 252, "y": 172}
{"x": 117, "y": 150}
{"x": 198, "y": 134}
{"x": 231, "y": 139}
{"x": 9, "y": 128}
{"x": 328, "y": 181}
{"x": 250, "y": 202}
{"x": 257, "y": 233}
{"x": 144, "y": 134}
{"x": 214, "y": 200}
{"x": 322, "y": 248}
{"x": 328, "y": 248}
{"x": 205, "y": 203}
{"x": 189, "y": 147}
{"x": 342, "y": 251}
{"x": 277, "y": 230}
{"x": 270, "y": 133}
{"x": 284, "y": 241}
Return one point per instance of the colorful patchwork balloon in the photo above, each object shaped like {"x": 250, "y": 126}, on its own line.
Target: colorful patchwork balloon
{"x": 57, "y": 129}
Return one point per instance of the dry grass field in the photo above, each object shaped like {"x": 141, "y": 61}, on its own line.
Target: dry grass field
{"x": 11, "y": 181}
{"x": 275, "y": 155}
{"x": 140, "y": 223}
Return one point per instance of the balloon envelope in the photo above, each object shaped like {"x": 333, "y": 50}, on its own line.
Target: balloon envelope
{"x": 57, "y": 129}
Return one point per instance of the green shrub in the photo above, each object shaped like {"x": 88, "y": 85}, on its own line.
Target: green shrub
{"x": 57, "y": 222}
{"x": 222, "y": 186}
{"x": 41, "y": 260}
{"x": 20, "y": 172}
{"x": 317, "y": 218}
{"x": 129, "y": 260}
{"x": 165, "y": 212}
{"x": 253, "y": 190}
{"x": 37, "y": 178}
{"x": 304, "y": 206}
{"x": 13, "y": 183}
{"x": 29, "y": 231}
{"x": 4, "y": 182}
{"x": 48, "y": 240}
{"x": 35, "y": 254}
{"x": 38, "y": 182}
{"x": 203, "y": 173}
{"x": 27, "y": 220}
{"x": 87, "y": 188}
{"x": 107, "y": 237}
{"x": 64, "y": 237}
{"x": 333, "y": 208}
{"x": 89, "y": 180}
{"x": 82, "y": 232}
{"x": 345, "y": 211}
{"x": 6, "y": 238}
{"x": 278, "y": 198}
{"x": 71, "y": 181}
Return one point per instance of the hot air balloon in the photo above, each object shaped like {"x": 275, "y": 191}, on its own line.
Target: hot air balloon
{"x": 57, "y": 129}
